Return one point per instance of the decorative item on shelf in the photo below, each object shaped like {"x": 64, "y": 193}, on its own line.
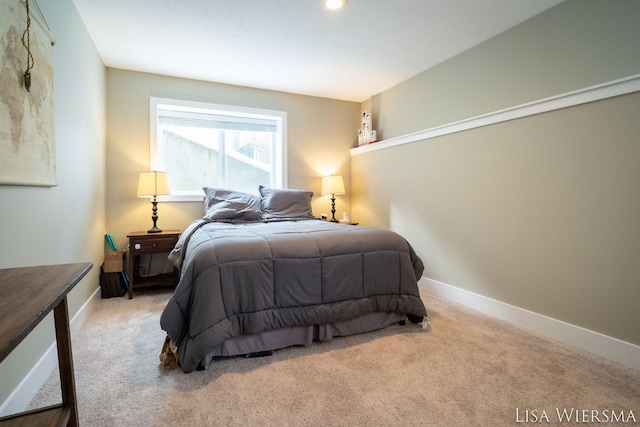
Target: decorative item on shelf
{"x": 365, "y": 134}
{"x": 333, "y": 185}
{"x": 366, "y": 127}
{"x": 153, "y": 183}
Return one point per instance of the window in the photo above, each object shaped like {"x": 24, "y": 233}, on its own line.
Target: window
{"x": 209, "y": 145}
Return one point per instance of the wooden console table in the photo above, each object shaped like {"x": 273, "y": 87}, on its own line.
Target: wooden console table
{"x": 27, "y": 295}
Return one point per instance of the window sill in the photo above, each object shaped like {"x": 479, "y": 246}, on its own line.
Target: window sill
{"x": 181, "y": 198}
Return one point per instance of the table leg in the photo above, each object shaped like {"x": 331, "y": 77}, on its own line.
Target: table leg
{"x": 65, "y": 360}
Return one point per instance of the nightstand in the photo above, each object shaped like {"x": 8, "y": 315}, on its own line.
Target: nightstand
{"x": 141, "y": 242}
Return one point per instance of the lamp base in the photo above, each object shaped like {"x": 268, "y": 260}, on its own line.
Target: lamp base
{"x": 333, "y": 209}
{"x": 154, "y": 217}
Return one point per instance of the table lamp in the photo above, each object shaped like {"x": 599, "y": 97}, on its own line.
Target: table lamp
{"x": 333, "y": 185}
{"x": 153, "y": 183}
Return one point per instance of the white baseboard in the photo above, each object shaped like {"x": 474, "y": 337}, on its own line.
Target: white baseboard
{"x": 21, "y": 397}
{"x": 611, "y": 348}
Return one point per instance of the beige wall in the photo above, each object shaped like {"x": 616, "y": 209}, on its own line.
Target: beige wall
{"x": 320, "y": 133}
{"x": 539, "y": 212}
{"x": 63, "y": 224}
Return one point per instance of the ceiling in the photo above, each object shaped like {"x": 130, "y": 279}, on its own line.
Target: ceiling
{"x": 296, "y": 46}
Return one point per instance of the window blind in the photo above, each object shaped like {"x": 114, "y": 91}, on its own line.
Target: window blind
{"x": 215, "y": 121}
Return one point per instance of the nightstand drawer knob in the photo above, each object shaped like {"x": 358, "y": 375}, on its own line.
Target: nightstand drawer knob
{"x": 155, "y": 244}
{"x": 137, "y": 246}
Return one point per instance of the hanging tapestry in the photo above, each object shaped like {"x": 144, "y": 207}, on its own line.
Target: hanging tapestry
{"x": 27, "y": 127}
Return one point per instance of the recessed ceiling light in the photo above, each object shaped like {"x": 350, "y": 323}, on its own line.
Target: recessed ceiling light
{"x": 334, "y": 4}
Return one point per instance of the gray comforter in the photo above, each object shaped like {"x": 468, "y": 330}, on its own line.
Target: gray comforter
{"x": 249, "y": 278}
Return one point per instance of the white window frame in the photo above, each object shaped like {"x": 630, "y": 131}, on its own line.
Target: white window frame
{"x": 280, "y": 117}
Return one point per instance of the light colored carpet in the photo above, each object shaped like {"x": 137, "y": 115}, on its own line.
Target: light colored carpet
{"x": 470, "y": 369}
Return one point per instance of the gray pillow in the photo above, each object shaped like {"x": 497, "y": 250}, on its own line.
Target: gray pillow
{"x": 228, "y": 204}
{"x": 279, "y": 203}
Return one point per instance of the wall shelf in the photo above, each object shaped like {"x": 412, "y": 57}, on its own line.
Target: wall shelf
{"x": 581, "y": 96}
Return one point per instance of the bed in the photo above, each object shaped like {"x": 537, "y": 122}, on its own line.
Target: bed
{"x": 259, "y": 273}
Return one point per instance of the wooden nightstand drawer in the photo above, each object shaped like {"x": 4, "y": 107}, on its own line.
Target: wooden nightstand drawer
{"x": 143, "y": 243}
{"x": 152, "y": 245}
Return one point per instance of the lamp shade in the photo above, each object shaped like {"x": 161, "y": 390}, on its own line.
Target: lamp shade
{"x": 332, "y": 184}
{"x": 153, "y": 183}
